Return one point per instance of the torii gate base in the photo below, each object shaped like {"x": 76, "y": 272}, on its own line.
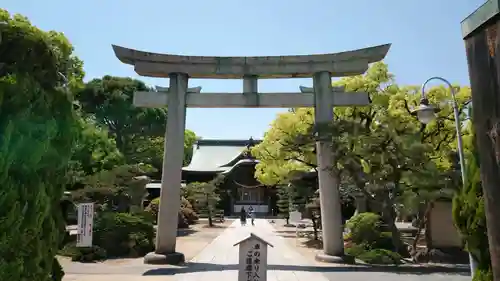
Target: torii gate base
{"x": 322, "y": 97}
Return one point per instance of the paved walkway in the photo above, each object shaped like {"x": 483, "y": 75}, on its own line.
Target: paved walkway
{"x": 219, "y": 260}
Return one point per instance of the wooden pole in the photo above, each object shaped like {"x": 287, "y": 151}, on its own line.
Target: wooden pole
{"x": 483, "y": 55}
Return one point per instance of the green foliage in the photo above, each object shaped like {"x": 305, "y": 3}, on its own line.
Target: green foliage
{"x": 283, "y": 202}
{"x": 187, "y": 211}
{"x": 189, "y": 140}
{"x": 154, "y": 207}
{"x": 117, "y": 235}
{"x": 38, "y": 133}
{"x": 95, "y": 151}
{"x": 204, "y": 196}
{"x": 109, "y": 101}
{"x": 382, "y": 150}
{"x": 367, "y": 241}
{"x": 139, "y": 133}
{"x": 114, "y": 189}
{"x": 186, "y": 214}
{"x": 365, "y": 228}
{"x": 469, "y": 214}
{"x": 383, "y": 147}
{"x": 123, "y": 234}
{"x": 380, "y": 256}
{"x": 483, "y": 275}
{"x": 50, "y": 53}
{"x": 83, "y": 254}
{"x": 373, "y": 256}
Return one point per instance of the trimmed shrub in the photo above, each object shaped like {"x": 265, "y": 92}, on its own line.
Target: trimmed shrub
{"x": 182, "y": 222}
{"x": 373, "y": 256}
{"x": 116, "y": 235}
{"x": 354, "y": 250}
{"x": 190, "y": 215}
{"x": 365, "y": 228}
{"x": 367, "y": 241}
{"x": 87, "y": 254}
{"x": 380, "y": 256}
{"x": 124, "y": 235}
{"x": 384, "y": 241}
{"x": 153, "y": 208}
{"x": 186, "y": 214}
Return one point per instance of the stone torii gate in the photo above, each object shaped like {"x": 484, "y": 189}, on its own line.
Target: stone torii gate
{"x": 322, "y": 96}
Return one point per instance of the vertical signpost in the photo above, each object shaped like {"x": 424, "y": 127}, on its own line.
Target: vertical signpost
{"x": 85, "y": 224}
{"x": 252, "y": 264}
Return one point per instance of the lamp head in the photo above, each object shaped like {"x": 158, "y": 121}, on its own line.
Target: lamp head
{"x": 425, "y": 112}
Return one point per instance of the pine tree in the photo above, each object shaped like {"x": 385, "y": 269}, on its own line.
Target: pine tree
{"x": 283, "y": 202}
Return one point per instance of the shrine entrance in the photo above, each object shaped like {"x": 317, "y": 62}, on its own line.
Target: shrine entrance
{"x": 322, "y": 96}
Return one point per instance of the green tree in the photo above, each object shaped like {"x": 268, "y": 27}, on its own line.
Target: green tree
{"x": 381, "y": 150}
{"x": 116, "y": 189}
{"x": 469, "y": 213}
{"x": 204, "y": 195}
{"x": 189, "y": 140}
{"x": 283, "y": 202}
{"x": 139, "y": 133}
{"x": 149, "y": 150}
{"x": 38, "y": 128}
{"x": 110, "y": 102}
{"x": 95, "y": 151}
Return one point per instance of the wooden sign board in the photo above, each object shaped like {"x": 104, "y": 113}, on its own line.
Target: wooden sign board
{"x": 252, "y": 264}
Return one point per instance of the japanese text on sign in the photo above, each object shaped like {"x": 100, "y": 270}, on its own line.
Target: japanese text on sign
{"x": 85, "y": 224}
{"x": 252, "y": 264}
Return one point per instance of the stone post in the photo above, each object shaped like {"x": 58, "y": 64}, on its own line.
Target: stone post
{"x": 173, "y": 155}
{"x": 331, "y": 218}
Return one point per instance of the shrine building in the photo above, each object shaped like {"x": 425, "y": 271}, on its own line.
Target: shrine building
{"x": 232, "y": 159}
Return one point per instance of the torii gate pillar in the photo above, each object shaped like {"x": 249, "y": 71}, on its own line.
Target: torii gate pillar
{"x": 331, "y": 217}
{"x": 322, "y": 97}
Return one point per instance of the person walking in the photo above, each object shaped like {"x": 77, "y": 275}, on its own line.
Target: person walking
{"x": 252, "y": 214}
{"x": 243, "y": 216}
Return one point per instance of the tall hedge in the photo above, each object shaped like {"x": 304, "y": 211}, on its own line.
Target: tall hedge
{"x": 470, "y": 218}
{"x": 37, "y": 136}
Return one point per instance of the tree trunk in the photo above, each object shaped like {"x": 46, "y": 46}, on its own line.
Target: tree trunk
{"x": 314, "y": 220}
{"x": 210, "y": 220}
{"x": 428, "y": 228}
{"x": 389, "y": 218}
{"x": 482, "y": 47}
{"x": 421, "y": 224}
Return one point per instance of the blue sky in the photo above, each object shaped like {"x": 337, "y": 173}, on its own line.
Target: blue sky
{"x": 425, "y": 37}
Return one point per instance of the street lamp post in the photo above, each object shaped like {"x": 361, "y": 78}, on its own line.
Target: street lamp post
{"x": 426, "y": 113}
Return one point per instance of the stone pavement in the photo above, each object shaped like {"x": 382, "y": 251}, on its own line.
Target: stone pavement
{"x": 219, "y": 261}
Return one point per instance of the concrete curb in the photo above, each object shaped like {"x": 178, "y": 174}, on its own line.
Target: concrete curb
{"x": 405, "y": 268}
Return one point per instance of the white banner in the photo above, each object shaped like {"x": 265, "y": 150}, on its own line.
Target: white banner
{"x": 85, "y": 224}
